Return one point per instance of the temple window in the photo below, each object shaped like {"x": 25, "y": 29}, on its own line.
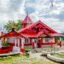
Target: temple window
{"x": 27, "y": 40}
{"x": 48, "y": 40}
{"x": 11, "y": 40}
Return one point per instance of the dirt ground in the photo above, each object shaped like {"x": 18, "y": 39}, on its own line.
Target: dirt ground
{"x": 22, "y": 59}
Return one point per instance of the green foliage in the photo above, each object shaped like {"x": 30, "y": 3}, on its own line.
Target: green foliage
{"x": 57, "y": 38}
{"x": 13, "y": 24}
{"x": 27, "y": 50}
{"x": 19, "y": 26}
{"x": 10, "y": 25}
{"x": 59, "y": 55}
{"x": 62, "y": 37}
{"x": 5, "y": 44}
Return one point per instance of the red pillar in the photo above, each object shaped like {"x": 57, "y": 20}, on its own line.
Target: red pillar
{"x": 53, "y": 43}
{"x": 20, "y": 42}
{"x": 33, "y": 44}
{"x": 60, "y": 44}
{"x": 55, "y": 40}
{"x": 40, "y": 43}
{"x": 22, "y": 47}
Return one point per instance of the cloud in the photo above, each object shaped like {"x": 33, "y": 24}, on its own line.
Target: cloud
{"x": 41, "y": 9}
{"x": 3, "y": 6}
{"x": 30, "y": 10}
{"x": 32, "y": 1}
{"x": 14, "y": 5}
{"x": 54, "y": 23}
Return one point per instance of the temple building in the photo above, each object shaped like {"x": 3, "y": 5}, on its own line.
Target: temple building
{"x": 39, "y": 34}
{"x": 34, "y": 35}
{"x": 26, "y": 22}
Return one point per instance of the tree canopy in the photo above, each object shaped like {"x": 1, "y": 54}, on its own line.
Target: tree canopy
{"x": 12, "y": 24}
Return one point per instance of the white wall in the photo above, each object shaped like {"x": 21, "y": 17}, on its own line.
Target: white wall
{"x": 49, "y": 40}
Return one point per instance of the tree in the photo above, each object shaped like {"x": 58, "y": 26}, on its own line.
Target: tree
{"x": 19, "y": 25}
{"x": 12, "y": 24}
{"x": 62, "y": 37}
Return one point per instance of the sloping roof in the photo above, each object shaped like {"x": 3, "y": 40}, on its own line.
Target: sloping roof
{"x": 36, "y": 29}
{"x": 11, "y": 34}
{"x": 27, "y": 20}
{"x": 41, "y": 24}
{"x": 56, "y": 35}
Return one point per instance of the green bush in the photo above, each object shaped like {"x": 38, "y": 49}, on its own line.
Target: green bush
{"x": 5, "y": 44}
{"x": 27, "y": 50}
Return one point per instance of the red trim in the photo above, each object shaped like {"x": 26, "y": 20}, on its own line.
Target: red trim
{"x": 55, "y": 40}
{"x": 33, "y": 44}
{"x": 27, "y": 44}
{"x": 40, "y": 43}
{"x": 30, "y": 32}
{"x": 22, "y": 50}
{"x": 5, "y": 49}
{"x": 11, "y": 34}
{"x": 27, "y": 20}
{"x": 48, "y": 43}
{"x": 60, "y": 43}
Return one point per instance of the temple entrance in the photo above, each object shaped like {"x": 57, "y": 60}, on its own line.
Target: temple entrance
{"x": 37, "y": 44}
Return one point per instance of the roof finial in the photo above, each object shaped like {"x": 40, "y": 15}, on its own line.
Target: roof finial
{"x": 51, "y": 3}
{"x": 26, "y": 8}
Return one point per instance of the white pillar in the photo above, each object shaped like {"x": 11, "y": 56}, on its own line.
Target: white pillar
{"x": 22, "y": 47}
{"x": 15, "y": 42}
{"x": 18, "y": 42}
{"x": 43, "y": 40}
{"x": 0, "y": 43}
{"x": 22, "y": 43}
{"x": 53, "y": 39}
{"x": 60, "y": 39}
{"x": 33, "y": 40}
{"x": 15, "y": 48}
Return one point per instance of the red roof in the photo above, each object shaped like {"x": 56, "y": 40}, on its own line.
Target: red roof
{"x": 27, "y": 20}
{"x": 56, "y": 35}
{"x": 34, "y": 35}
{"x": 11, "y": 34}
{"x": 38, "y": 29}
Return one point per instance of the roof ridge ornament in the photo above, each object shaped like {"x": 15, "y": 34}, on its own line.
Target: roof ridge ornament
{"x": 26, "y": 10}
{"x": 52, "y": 3}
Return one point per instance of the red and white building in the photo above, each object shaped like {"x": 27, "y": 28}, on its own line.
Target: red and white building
{"x": 32, "y": 34}
{"x": 39, "y": 34}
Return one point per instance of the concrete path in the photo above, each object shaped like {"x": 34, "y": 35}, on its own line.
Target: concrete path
{"x": 42, "y": 59}
{"x": 36, "y": 53}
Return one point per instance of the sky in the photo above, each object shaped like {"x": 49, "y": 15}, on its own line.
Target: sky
{"x": 37, "y": 10}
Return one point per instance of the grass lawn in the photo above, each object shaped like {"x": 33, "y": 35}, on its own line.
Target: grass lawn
{"x": 59, "y": 55}
{"x": 22, "y": 59}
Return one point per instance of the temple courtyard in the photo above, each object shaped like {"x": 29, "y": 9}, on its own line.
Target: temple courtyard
{"x": 19, "y": 59}
{"x": 35, "y": 59}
